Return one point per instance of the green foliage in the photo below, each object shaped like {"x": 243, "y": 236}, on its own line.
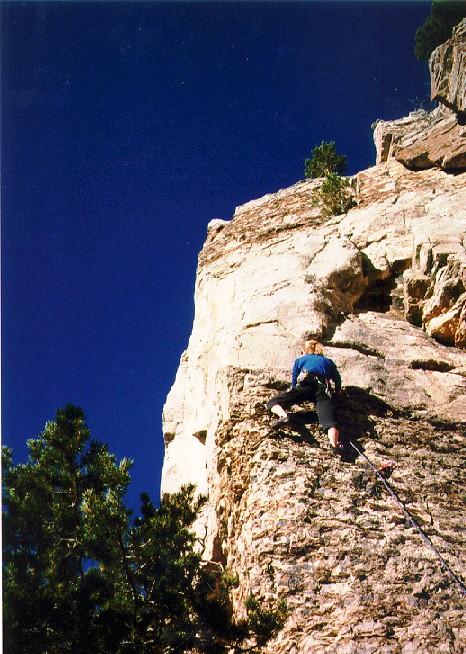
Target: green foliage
{"x": 437, "y": 28}
{"x": 335, "y": 195}
{"x": 81, "y": 576}
{"x": 265, "y": 623}
{"x": 51, "y": 589}
{"x": 261, "y": 624}
{"x": 163, "y": 568}
{"x": 324, "y": 161}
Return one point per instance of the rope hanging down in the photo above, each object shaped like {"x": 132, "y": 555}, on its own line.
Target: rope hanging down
{"x": 424, "y": 536}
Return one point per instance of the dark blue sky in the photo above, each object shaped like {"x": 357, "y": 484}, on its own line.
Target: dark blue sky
{"x": 127, "y": 127}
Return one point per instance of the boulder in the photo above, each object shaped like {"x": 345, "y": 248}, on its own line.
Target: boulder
{"x": 442, "y": 145}
{"x": 444, "y": 303}
{"x": 416, "y": 285}
{"x": 423, "y": 140}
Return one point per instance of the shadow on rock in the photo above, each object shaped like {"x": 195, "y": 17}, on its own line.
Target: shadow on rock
{"x": 297, "y": 428}
{"x": 299, "y": 422}
{"x": 357, "y": 410}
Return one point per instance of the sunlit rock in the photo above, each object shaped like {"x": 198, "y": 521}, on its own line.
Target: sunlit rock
{"x": 384, "y": 287}
{"x": 436, "y": 139}
{"x": 447, "y": 65}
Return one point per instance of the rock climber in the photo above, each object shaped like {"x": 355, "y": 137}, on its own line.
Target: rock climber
{"x": 312, "y": 378}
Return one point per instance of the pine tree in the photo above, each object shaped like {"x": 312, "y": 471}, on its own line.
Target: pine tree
{"x": 64, "y": 520}
{"x": 335, "y": 195}
{"x": 438, "y": 26}
{"x": 82, "y": 576}
{"x": 324, "y": 161}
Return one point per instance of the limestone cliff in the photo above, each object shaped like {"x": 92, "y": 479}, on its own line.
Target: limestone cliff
{"x": 384, "y": 287}
{"x": 423, "y": 140}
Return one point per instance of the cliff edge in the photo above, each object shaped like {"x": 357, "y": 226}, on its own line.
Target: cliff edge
{"x": 384, "y": 287}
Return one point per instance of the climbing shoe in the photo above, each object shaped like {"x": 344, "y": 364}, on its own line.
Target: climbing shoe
{"x": 281, "y": 422}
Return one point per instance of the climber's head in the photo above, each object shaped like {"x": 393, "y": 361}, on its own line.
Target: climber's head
{"x": 312, "y": 347}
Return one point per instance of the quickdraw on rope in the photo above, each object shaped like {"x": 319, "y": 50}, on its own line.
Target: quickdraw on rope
{"x": 380, "y": 473}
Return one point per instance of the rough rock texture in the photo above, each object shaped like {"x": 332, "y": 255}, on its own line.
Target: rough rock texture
{"x": 290, "y": 519}
{"x": 423, "y": 140}
{"x": 447, "y": 65}
{"x": 384, "y": 287}
{"x": 436, "y": 139}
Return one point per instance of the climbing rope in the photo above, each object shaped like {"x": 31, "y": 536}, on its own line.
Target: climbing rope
{"x": 424, "y": 536}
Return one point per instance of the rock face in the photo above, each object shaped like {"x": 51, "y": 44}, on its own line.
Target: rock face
{"x": 436, "y": 139}
{"x": 447, "y": 65}
{"x": 423, "y": 140}
{"x": 287, "y": 517}
{"x": 384, "y": 287}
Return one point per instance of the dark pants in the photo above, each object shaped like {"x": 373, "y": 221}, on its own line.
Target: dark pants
{"x": 312, "y": 393}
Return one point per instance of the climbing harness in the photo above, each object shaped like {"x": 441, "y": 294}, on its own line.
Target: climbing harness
{"x": 380, "y": 473}
{"x": 307, "y": 378}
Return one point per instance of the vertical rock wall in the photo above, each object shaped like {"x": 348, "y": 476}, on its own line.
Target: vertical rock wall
{"x": 438, "y": 138}
{"x": 285, "y": 515}
{"x": 447, "y": 65}
{"x": 384, "y": 287}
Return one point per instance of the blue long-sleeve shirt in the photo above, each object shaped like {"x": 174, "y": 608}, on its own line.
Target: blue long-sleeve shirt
{"x": 318, "y": 364}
